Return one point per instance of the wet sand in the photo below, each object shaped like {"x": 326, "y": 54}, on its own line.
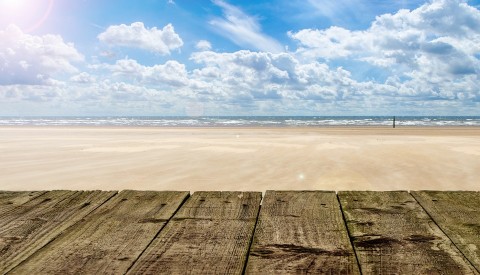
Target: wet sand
{"x": 254, "y": 159}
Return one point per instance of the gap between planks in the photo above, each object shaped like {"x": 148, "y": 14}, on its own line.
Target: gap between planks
{"x": 158, "y": 233}
{"x": 349, "y": 234}
{"x": 253, "y": 236}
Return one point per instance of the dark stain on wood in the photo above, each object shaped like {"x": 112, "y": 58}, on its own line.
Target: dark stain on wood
{"x": 278, "y": 249}
{"x": 401, "y": 239}
{"x": 298, "y": 233}
{"x": 374, "y": 241}
{"x": 153, "y": 220}
{"x": 421, "y": 238}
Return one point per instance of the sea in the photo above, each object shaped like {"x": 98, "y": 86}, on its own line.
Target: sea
{"x": 246, "y": 121}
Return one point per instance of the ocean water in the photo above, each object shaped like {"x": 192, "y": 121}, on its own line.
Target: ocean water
{"x": 247, "y": 121}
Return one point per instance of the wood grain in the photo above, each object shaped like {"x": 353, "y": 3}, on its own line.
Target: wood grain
{"x": 392, "y": 234}
{"x": 210, "y": 233}
{"x": 30, "y": 226}
{"x": 10, "y": 199}
{"x": 108, "y": 240}
{"x": 458, "y": 215}
{"x": 301, "y": 232}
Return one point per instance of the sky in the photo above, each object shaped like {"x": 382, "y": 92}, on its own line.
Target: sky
{"x": 225, "y": 57}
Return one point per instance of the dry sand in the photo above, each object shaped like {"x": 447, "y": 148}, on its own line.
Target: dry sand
{"x": 45, "y": 158}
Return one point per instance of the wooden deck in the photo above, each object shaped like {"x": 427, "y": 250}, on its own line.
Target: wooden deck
{"x": 320, "y": 232}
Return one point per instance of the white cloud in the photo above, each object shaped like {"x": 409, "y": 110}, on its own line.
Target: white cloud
{"x": 29, "y": 93}
{"x": 108, "y": 54}
{"x": 103, "y": 97}
{"x": 30, "y": 59}
{"x": 203, "y": 45}
{"x": 243, "y": 30}
{"x": 447, "y": 32}
{"x": 246, "y": 76}
{"x": 172, "y": 73}
{"x": 160, "y": 41}
{"x": 243, "y": 82}
{"x": 246, "y": 82}
{"x": 433, "y": 49}
{"x": 83, "y": 77}
{"x": 334, "y": 42}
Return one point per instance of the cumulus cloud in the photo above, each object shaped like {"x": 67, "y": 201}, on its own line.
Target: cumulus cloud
{"x": 203, "y": 45}
{"x": 30, "y": 59}
{"x": 445, "y": 32}
{"x": 246, "y": 76}
{"x": 29, "y": 93}
{"x": 172, "y": 73}
{"x": 243, "y": 30}
{"x": 160, "y": 41}
{"x": 240, "y": 81}
{"x": 83, "y": 77}
{"x": 108, "y": 54}
{"x": 103, "y": 97}
{"x": 246, "y": 82}
{"x": 430, "y": 53}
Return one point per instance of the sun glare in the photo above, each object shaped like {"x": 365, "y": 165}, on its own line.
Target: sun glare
{"x": 10, "y": 3}
{"x": 26, "y": 14}
{"x": 13, "y": 6}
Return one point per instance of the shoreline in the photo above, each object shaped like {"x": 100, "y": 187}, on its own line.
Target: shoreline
{"x": 402, "y": 130}
{"x": 358, "y": 127}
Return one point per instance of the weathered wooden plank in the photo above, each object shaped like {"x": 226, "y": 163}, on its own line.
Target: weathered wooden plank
{"x": 210, "y": 233}
{"x": 30, "y": 226}
{"x": 458, "y": 215}
{"x": 392, "y": 234}
{"x": 108, "y": 240}
{"x": 10, "y": 199}
{"x": 301, "y": 232}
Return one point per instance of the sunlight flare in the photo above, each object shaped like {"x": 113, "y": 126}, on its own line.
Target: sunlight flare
{"x": 29, "y": 15}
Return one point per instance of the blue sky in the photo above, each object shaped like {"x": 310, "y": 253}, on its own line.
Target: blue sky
{"x": 297, "y": 57}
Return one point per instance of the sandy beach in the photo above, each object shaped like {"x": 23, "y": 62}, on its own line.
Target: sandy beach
{"x": 255, "y": 159}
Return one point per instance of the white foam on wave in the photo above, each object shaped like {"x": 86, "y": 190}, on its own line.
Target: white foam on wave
{"x": 240, "y": 121}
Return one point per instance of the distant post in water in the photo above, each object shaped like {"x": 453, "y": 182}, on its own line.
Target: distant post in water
{"x": 393, "y": 121}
